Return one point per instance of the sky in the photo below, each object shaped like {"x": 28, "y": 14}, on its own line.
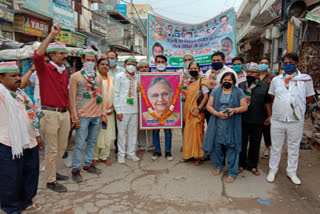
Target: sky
{"x": 190, "y": 11}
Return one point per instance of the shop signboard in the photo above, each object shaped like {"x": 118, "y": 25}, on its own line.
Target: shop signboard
{"x": 65, "y": 3}
{"x": 64, "y": 16}
{"x": 71, "y": 38}
{"x": 36, "y": 27}
{"x": 78, "y": 39}
{"x": 97, "y": 28}
{"x": 122, "y": 8}
{"x": 64, "y": 36}
{"x": 6, "y": 11}
{"x": 43, "y": 7}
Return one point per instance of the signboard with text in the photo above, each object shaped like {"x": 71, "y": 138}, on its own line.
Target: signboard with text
{"x": 43, "y": 7}
{"x": 71, "y": 38}
{"x": 6, "y": 11}
{"x": 64, "y": 15}
{"x": 31, "y": 26}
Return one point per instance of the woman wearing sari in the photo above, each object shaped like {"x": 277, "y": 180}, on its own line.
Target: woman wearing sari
{"x": 107, "y": 135}
{"x": 223, "y": 137}
{"x": 193, "y": 116}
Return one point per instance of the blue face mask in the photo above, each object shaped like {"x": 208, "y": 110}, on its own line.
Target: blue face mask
{"x": 289, "y": 68}
{"x": 237, "y": 68}
{"x": 217, "y": 65}
{"x": 263, "y": 67}
{"x": 112, "y": 62}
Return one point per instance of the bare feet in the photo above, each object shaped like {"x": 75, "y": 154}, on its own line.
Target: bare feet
{"x": 217, "y": 172}
{"x": 229, "y": 179}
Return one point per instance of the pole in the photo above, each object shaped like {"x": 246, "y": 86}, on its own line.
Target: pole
{"x": 131, "y": 29}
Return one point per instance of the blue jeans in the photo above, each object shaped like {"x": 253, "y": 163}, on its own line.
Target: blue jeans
{"x": 156, "y": 139}
{"x": 88, "y": 131}
{"x": 218, "y": 158}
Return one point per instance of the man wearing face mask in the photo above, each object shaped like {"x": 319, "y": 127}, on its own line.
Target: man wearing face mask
{"x": 126, "y": 107}
{"x": 114, "y": 69}
{"x": 55, "y": 125}
{"x": 253, "y": 120}
{"x": 87, "y": 112}
{"x": 161, "y": 64}
{"x": 187, "y": 59}
{"x": 291, "y": 92}
{"x": 214, "y": 75}
{"x": 237, "y": 66}
{"x": 266, "y": 76}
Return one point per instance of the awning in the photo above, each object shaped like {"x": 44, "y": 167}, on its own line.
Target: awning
{"x": 314, "y": 15}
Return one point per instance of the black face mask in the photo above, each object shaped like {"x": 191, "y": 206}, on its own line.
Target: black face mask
{"x": 250, "y": 79}
{"x": 227, "y": 85}
{"x": 193, "y": 73}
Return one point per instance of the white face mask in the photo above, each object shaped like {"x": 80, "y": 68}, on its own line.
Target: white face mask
{"x": 131, "y": 68}
{"x": 89, "y": 68}
{"x": 186, "y": 65}
{"x": 161, "y": 67}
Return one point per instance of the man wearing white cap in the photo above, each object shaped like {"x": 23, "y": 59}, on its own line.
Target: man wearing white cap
{"x": 19, "y": 143}
{"x": 55, "y": 125}
{"x": 86, "y": 104}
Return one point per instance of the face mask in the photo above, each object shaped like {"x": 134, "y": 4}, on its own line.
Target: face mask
{"x": 186, "y": 65}
{"x": 161, "y": 67}
{"x": 251, "y": 79}
{"x": 237, "y": 68}
{"x": 289, "y": 68}
{"x": 89, "y": 68}
{"x": 263, "y": 67}
{"x": 112, "y": 62}
{"x": 131, "y": 68}
{"x": 217, "y": 65}
{"x": 193, "y": 73}
{"x": 227, "y": 85}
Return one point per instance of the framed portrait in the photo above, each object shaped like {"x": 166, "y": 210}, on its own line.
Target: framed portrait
{"x": 160, "y": 100}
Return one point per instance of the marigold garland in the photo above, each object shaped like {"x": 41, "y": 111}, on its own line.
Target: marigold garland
{"x": 160, "y": 118}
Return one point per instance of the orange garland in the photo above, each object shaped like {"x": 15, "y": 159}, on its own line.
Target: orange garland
{"x": 161, "y": 118}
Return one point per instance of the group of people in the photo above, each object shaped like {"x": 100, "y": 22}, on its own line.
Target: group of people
{"x": 101, "y": 102}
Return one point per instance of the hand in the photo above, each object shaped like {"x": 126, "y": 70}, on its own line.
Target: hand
{"x": 267, "y": 121}
{"x": 195, "y": 112}
{"x": 111, "y": 111}
{"x": 75, "y": 121}
{"x": 104, "y": 119}
{"x": 315, "y": 115}
{"x": 55, "y": 29}
{"x": 139, "y": 89}
{"x": 40, "y": 143}
{"x": 231, "y": 111}
{"x": 120, "y": 117}
{"x": 222, "y": 115}
{"x": 33, "y": 68}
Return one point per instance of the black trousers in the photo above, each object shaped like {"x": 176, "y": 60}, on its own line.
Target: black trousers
{"x": 251, "y": 133}
{"x": 266, "y": 135}
{"x": 18, "y": 179}
{"x": 207, "y": 115}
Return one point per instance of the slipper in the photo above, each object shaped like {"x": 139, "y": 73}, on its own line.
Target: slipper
{"x": 33, "y": 208}
{"x": 94, "y": 162}
{"x": 108, "y": 162}
{"x": 198, "y": 162}
{"x": 255, "y": 171}
{"x": 230, "y": 179}
{"x": 240, "y": 170}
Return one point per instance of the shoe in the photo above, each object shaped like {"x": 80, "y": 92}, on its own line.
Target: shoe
{"x": 55, "y": 186}
{"x": 67, "y": 162}
{"x": 94, "y": 162}
{"x": 271, "y": 177}
{"x": 169, "y": 156}
{"x": 121, "y": 160}
{"x": 295, "y": 179}
{"x": 60, "y": 177}
{"x": 33, "y": 208}
{"x": 92, "y": 169}
{"x": 266, "y": 153}
{"x": 156, "y": 155}
{"x": 76, "y": 176}
{"x": 133, "y": 158}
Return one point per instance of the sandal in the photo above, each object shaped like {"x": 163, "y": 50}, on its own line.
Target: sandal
{"x": 240, "y": 170}
{"x": 255, "y": 171}
{"x": 94, "y": 162}
{"x": 33, "y": 208}
{"x": 108, "y": 162}
{"x": 198, "y": 162}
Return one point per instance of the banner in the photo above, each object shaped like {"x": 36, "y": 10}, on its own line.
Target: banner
{"x": 175, "y": 39}
{"x": 71, "y": 38}
{"x": 140, "y": 10}
{"x": 36, "y": 27}
{"x": 160, "y": 100}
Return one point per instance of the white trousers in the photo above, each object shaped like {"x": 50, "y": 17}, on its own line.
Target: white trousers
{"x": 294, "y": 131}
{"x": 128, "y": 127}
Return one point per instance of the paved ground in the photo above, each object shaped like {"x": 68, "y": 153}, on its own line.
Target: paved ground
{"x": 173, "y": 187}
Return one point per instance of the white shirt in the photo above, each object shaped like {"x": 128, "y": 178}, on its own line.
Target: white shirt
{"x": 281, "y": 109}
{"x": 121, "y": 88}
{"x": 36, "y": 92}
{"x": 223, "y": 70}
{"x": 183, "y": 71}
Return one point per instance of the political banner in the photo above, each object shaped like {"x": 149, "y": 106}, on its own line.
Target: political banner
{"x": 175, "y": 39}
{"x": 160, "y": 100}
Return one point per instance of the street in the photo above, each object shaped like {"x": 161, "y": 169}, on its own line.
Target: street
{"x": 173, "y": 187}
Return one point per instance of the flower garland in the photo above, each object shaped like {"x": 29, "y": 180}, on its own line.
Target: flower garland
{"x": 213, "y": 78}
{"x": 161, "y": 118}
{"x": 91, "y": 88}
{"x": 187, "y": 80}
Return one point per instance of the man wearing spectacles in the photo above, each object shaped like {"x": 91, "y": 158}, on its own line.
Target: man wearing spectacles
{"x": 55, "y": 124}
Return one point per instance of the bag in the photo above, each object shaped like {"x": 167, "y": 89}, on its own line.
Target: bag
{"x": 200, "y": 97}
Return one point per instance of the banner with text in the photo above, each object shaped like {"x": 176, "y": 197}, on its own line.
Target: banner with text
{"x": 175, "y": 39}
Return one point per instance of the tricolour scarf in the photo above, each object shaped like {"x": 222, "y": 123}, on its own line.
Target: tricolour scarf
{"x": 92, "y": 89}
{"x": 130, "y": 97}
{"x": 213, "y": 78}
{"x": 249, "y": 89}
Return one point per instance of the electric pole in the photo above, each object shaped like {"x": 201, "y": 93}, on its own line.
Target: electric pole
{"x": 131, "y": 29}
